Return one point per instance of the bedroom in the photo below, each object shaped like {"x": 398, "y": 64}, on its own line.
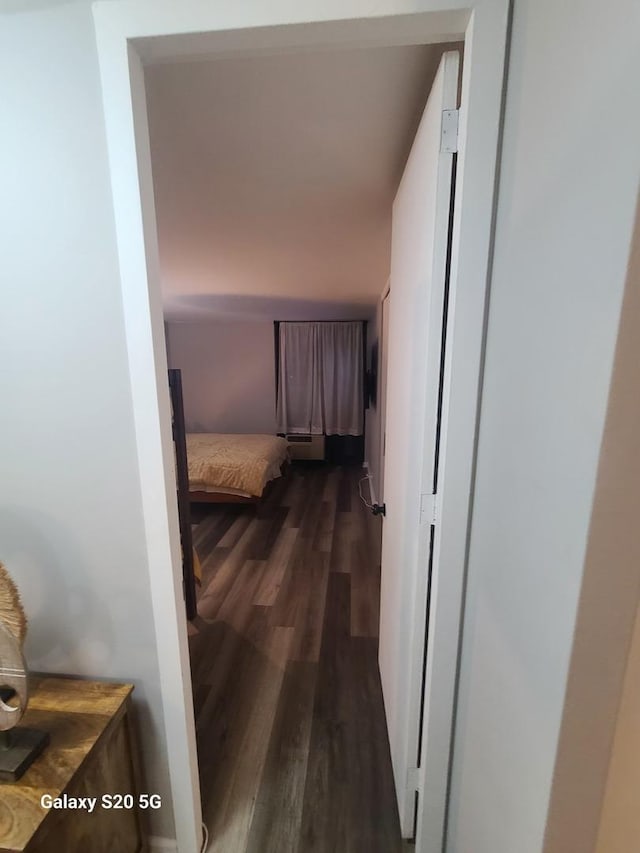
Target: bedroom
{"x": 274, "y": 178}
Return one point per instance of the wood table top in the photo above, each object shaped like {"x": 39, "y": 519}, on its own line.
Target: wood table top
{"x": 76, "y": 714}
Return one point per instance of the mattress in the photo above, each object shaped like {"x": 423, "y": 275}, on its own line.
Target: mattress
{"x": 234, "y": 464}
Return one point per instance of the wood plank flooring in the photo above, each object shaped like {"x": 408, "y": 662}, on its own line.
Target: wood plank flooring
{"x": 292, "y": 743}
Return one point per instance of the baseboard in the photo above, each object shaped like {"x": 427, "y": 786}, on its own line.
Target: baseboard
{"x": 156, "y": 844}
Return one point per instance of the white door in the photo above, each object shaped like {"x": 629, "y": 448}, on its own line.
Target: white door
{"x": 382, "y": 396}
{"x": 419, "y": 259}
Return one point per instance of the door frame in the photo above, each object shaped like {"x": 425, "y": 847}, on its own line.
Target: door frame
{"x": 131, "y": 32}
{"x": 383, "y": 353}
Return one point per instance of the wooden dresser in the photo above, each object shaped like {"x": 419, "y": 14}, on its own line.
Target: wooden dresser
{"x": 90, "y": 755}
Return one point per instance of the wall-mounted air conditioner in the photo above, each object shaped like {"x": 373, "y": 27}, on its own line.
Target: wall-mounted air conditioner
{"x": 305, "y": 446}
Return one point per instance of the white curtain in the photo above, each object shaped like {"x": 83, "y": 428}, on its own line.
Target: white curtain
{"x": 320, "y": 378}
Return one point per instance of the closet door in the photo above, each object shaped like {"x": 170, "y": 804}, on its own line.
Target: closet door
{"x": 416, "y": 341}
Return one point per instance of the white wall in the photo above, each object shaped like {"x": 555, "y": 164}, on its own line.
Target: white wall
{"x": 71, "y": 529}
{"x": 565, "y": 217}
{"x": 228, "y": 374}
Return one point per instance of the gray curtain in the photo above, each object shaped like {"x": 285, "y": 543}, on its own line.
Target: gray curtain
{"x": 320, "y": 381}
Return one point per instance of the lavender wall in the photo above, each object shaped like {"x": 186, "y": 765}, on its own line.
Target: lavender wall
{"x": 228, "y": 374}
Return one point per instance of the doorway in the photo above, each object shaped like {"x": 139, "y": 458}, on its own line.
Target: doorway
{"x": 126, "y": 129}
{"x": 236, "y": 146}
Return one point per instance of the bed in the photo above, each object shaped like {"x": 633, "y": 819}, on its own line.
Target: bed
{"x": 233, "y": 468}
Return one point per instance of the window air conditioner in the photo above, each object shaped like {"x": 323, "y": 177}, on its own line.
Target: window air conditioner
{"x": 305, "y": 446}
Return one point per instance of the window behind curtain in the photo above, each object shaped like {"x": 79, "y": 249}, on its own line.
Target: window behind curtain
{"x": 320, "y": 378}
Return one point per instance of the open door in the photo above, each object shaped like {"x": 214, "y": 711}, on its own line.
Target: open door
{"x": 420, "y": 258}
{"x": 382, "y": 397}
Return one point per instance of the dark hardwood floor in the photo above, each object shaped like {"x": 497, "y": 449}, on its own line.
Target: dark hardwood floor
{"x": 292, "y": 743}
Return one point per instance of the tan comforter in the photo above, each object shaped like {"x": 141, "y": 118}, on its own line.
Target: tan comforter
{"x": 241, "y": 463}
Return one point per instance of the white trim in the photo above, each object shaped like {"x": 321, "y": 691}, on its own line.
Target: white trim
{"x": 255, "y": 25}
{"x": 381, "y": 402}
{"x": 132, "y": 189}
{"x": 479, "y": 124}
{"x": 432, "y": 800}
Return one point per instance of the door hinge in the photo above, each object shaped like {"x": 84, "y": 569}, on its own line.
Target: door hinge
{"x": 449, "y": 132}
{"x": 413, "y": 779}
{"x": 428, "y": 509}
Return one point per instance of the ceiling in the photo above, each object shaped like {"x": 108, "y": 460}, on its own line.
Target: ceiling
{"x": 274, "y": 177}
